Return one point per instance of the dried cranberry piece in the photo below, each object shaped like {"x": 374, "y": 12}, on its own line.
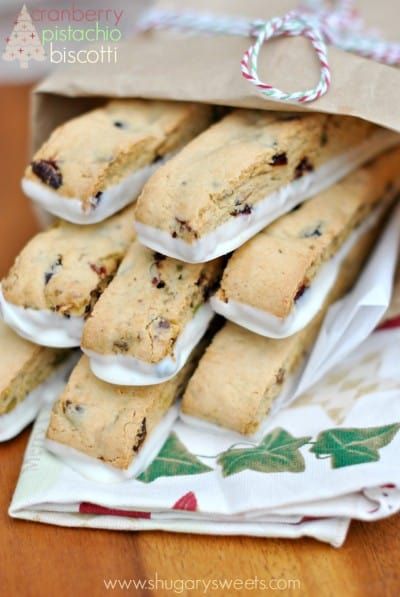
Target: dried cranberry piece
{"x": 300, "y": 292}
{"x": 53, "y": 269}
{"x": 242, "y": 211}
{"x": 77, "y": 408}
{"x": 164, "y": 324}
{"x": 99, "y": 270}
{"x": 140, "y": 436}
{"x": 94, "y": 201}
{"x": 302, "y": 167}
{"x": 157, "y": 282}
{"x": 279, "y": 159}
{"x": 121, "y": 345}
{"x": 184, "y": 224}
{"x": 48, "y": 172}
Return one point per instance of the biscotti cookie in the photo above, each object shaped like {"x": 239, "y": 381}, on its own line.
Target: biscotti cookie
{"x": 276, "y": 283}
{"x": 243, "y": 173}
{"x": 149, "y": 319}
{"x": 241, "y": 373}
{"x": 95, "y": 164}
{"x": 109, "y": 423}
{"x": 59, "y": 275}
{"x": 24, "y": 368}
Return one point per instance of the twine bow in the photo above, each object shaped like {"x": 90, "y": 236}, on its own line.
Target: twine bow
{"x": 339, "y": 26}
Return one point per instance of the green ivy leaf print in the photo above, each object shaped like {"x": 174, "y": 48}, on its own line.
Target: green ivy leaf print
{"x": 173, "y": 460}
{"x": 350, "y": 446}
{"x": 277, "y": 452}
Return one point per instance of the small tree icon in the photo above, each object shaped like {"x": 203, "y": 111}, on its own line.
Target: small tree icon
{"x": 23, "y": 43}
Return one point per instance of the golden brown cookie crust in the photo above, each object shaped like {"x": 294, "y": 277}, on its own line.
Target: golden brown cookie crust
{"x": 23, "y": 367}
{"x": 65, "y": 268}
{"x": 148, "y": 304}
{"x": 110, "y": 422}
{"x": 92, "y": 152}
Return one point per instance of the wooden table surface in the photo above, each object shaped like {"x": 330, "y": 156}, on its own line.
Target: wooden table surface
{"x": 41, "y": 560}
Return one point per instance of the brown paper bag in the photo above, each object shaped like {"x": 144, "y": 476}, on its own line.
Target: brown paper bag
{"x": 205, "y": 68}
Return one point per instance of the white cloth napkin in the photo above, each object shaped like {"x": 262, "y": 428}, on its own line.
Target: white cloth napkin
{"x": 330, "y": 456}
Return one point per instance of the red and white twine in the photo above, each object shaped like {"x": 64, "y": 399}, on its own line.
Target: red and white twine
{"x": 338, "y": 25}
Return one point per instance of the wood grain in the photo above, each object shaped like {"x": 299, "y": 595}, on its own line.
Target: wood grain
{"x": 44, "y": 560}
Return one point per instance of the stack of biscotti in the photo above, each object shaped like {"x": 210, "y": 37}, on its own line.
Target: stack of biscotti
{"x": 288, "y": 193}
{"x": 154, "y": 311}
{"x": 276, "y": 290}
{"x": 89, "y": 173}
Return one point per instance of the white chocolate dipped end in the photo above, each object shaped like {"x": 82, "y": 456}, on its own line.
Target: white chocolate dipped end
{"x": 125, "y": 370}
{"x": 307, "y": 306}
{"x": 45, "y": 328}
{"x": 112, "y": 199}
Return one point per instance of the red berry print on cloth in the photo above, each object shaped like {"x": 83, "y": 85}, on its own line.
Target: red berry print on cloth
{"x": 88, "y": 508}
{"x": 186, "y": 502}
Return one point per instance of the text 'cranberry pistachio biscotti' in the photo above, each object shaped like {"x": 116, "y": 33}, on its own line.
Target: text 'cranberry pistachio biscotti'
{"x": 95, "y": 164}
{"x": 277, "y": 282}
{"x": 113, "y": 427}
{"x": 243, "y": 173}
{"x": 24, "y": 369}
{"x": 242, "y": 373}
{"x": 59, "y": 275}
{"x": 150, "y": 318}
